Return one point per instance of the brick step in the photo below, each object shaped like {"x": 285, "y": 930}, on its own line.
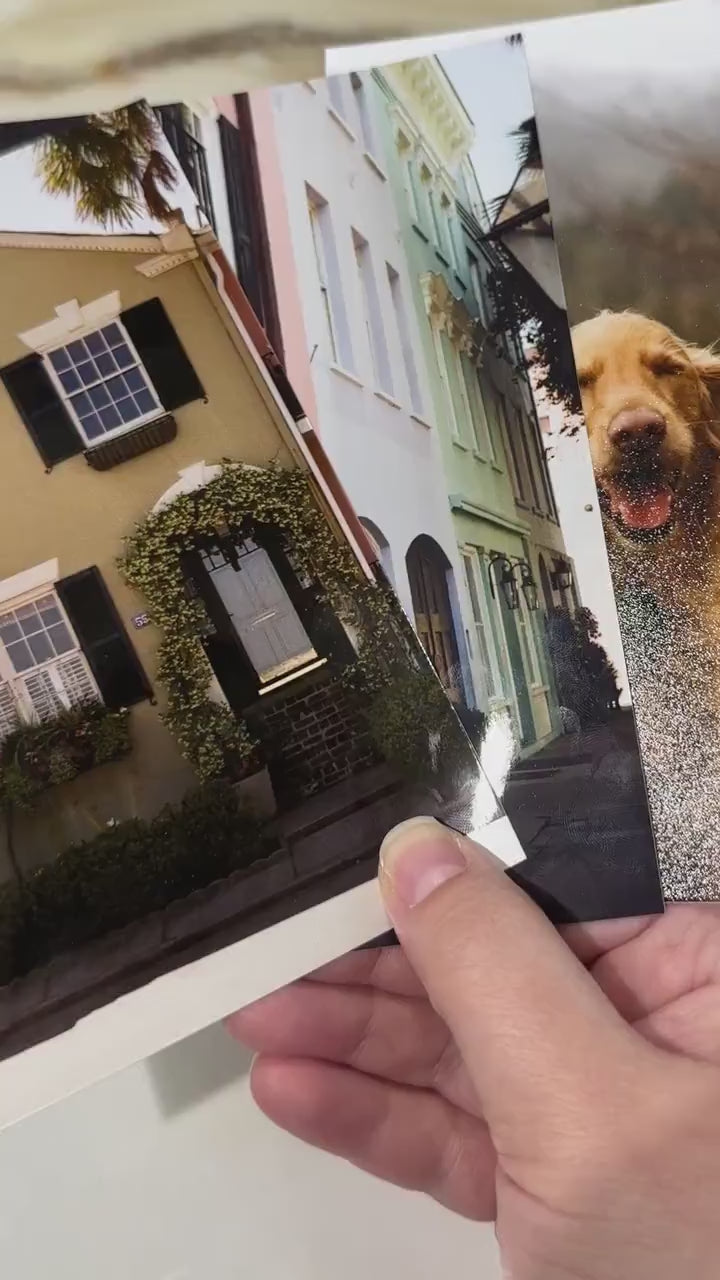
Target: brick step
{"x": 335, "y": 803}
{"x": 359, "y": 833}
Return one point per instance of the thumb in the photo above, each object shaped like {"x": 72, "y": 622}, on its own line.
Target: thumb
{"x": 536, "y": 1034}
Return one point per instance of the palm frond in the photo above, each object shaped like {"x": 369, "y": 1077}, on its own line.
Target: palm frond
{"x": 110, "y": 166}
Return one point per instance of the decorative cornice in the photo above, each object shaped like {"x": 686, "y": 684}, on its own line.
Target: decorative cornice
{"x": 166, "y": 262}
{"x": 427, "y": 97}
{"x": 449, "y": 314}
{"x": 98, "y": 244}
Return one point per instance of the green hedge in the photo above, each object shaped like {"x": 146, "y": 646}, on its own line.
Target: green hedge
{"x": 125, "y": 873}
{"x": 415, "y": 728}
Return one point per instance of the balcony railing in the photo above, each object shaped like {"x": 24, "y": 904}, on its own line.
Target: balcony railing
{"x": 190, "y": 154}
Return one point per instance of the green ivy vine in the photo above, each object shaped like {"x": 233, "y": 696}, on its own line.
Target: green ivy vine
{"x": 241, "y": 498}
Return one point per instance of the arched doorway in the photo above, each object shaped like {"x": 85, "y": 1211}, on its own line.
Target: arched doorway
{"x": 381, "y": 547}
{"x": 428, "y": 569}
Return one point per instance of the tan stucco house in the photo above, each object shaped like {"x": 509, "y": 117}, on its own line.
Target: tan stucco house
{"x": 131, "y": 398}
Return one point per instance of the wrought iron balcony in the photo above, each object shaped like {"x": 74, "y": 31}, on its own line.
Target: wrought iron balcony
{"x": 190, "y": 154}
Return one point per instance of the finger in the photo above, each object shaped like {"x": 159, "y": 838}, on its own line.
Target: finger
{"x": 689, "y": 1026}
{"x": 592, "y": 940}
{"x": 680, "y": 953}
{"x": 383, "y": 1035}
{"x": 386, "y": 968}
{"x": 540, "y": 1040}
{"x": 407, "y": 1136}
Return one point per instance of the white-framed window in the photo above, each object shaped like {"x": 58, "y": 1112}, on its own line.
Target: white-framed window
{"x": 101, "y": 379}
{"x": 482, "y": 433}
{"x": 362, "y": 104}
{"x": 517, "y": 471}
{"x": 524, "y": 426}
{"x": 447, "y": 213}
{"x": 443, "y": 364}
{"x": 372, "y": 314}
{"x": 406, "y": 345}
{"x": 484, "y": 641}
{"x": 436, "y": 219}
{"x": 329, "y": 281}
{"x": 476, "y": 285}
{"x": 42, "y": 668}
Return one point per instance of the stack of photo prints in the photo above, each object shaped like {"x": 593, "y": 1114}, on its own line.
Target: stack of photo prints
{"x": 334, "y": 493}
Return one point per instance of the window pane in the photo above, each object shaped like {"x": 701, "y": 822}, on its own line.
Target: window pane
{"x": 95, "y": 344}
{"x": 123, "y": 356}
{"x": 20, "y": 656}
{"x": 9, "y": 630}
{"x": 49, "y": 612}
{"x": 135, "y": 380}
{"x": 81, "y": 403}
{"x": 145, "y": 402}
{"x": 77, "y": 351}
{"x": 60, "y": 637}
{"x": 92, "y": 426}
{"x": 60, "y": 359}
{"x": 110, "y": 418}
{"x": 112, "y": 334}
{"x": 40, "y": 647}
{"x": 87, "y": 372}
{"x": 105, "y": 365}
{"x": 28, "y": 618}
{"x": 99, "y": 396}
{"x": 116, "y": 387}
{"x": 70, "y": 380}
{"x": 126, "y": 409}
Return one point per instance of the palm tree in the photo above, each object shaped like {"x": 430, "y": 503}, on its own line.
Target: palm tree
{"x": 111, "y": 165}
{"x": 527, "y": 144}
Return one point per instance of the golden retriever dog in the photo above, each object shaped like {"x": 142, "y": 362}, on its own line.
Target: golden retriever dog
{"x": 650, "y": 402}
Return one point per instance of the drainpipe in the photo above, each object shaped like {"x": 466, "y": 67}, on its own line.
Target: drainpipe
{"x": 222, "y": 272}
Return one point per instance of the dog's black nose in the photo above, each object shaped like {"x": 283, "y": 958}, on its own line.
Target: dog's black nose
{"x": 637, "y": 429}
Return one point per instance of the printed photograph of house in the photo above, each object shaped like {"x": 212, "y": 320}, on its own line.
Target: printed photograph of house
{"x": 419, "y": 305}
{"x": 211, "y": 706}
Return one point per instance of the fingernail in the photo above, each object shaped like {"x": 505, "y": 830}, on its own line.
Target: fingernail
{"x": 417, "y": 857}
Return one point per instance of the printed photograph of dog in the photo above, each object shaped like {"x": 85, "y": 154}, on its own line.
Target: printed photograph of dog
{"x": 640, "y": 254}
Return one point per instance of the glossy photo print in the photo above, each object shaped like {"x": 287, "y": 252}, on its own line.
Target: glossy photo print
{"x": 426, "y": 293}
{"x": 212, "y": 707}
{"x": 639, "y": 255}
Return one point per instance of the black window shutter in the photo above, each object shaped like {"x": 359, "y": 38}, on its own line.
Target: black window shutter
{"x": 30, "y": 388}
{"x": 103, "y": 639}
{"x": 162, "y": 354}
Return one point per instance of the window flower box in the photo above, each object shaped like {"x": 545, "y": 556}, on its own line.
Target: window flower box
{"x": 131, "y": 444}
{"x": 35, "y": 757}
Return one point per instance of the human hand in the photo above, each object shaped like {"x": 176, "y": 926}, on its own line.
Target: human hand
{"x": 566, "y": 1088}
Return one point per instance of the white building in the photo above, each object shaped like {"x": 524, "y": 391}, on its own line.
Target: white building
{"x": 373, "y": 404}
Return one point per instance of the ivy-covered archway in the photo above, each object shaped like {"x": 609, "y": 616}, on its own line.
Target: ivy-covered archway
{"x": 241, "y": 498}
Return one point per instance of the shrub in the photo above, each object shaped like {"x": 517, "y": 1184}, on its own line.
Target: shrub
{"x": 36, "y": 756}
{"x": 415, "y": 728}
{"x": 125, "y": 873}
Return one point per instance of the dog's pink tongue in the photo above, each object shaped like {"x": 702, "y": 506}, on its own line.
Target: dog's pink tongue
{"x": 648, "y": 512}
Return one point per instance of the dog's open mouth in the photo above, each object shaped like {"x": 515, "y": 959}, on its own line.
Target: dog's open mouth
{"x": 643, "y": 508}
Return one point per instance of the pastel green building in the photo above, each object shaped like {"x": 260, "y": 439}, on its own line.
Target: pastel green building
{"x": 496, "y": 475}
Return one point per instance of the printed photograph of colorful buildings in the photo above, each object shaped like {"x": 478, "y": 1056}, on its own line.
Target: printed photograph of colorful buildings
{"x": 267, "y": 363}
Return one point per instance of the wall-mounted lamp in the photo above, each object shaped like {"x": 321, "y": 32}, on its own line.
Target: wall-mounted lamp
{"x": 507, "y": 580}
{"x": 528, "y": 585}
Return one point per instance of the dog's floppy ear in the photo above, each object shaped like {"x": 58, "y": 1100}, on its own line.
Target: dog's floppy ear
{"x": 706, "y": 362}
